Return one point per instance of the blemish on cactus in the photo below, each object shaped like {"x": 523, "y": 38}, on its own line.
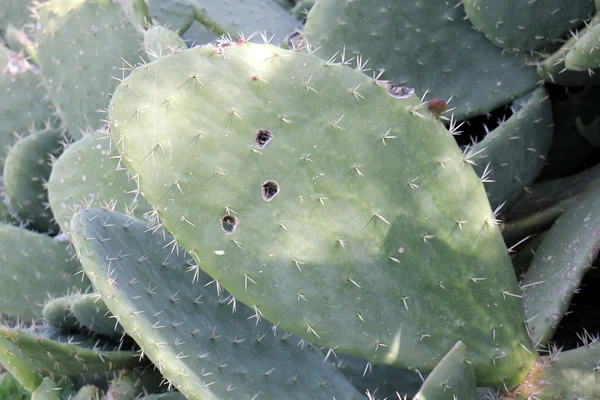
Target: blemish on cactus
{"x": 229, "y": 223}
{"x": 263, "y": 137}
{"x": 400, "y": 92}
{"x": 270, "y": 189}
{"x": 437, "y": 107}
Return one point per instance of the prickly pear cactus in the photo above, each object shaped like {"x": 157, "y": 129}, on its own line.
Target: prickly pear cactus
{"x": 82, "y": 44}
{"x": 26, "y": 172}
{"x": 327, "y": 201}
{"x": 212, "y": 347}
{"x": 427, "y": 45}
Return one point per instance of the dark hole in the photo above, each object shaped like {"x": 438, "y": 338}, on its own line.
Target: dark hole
{"x": 263, "y": 137}
{"x": 229, "y": 223}
{"x": 270, "y": 190}
{"x": 400, "y": 92}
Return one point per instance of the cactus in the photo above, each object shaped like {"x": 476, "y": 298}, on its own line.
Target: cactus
{"x": 177, "y": 15}
{"x": 558, "y": 267}
{"x": 215, "y": 351}
{"x": 78, "y": 67}
{"x": 226, "y": 189}
{"x": 513, "y": 154}
{"x": 32, "y": 267}
{"x": 527, "y": 25}
{"x": 198, "y": 34}
{"x": 26, "y": 172}
{"x": 585, "y": 54}
{"x": 159, "y": 40}
{"x": 453, "y": 378}
{"x": 91, "y": 312}
{"x": 14, "y": 12}
{"x": 87, "y": 174}
{"x": 425, "y": 45}
{"x": 57, "y": 313}
{"x": 23, "y": 102}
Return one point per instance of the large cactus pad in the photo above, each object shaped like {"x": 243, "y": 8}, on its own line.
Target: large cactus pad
{"x": 326, "y": 201}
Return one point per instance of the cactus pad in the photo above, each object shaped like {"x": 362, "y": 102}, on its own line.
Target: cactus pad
{"x": 298, "y": 184}
{"x": 427, "y": 45}
{"x": 82, "y": 45}
{"x": 214, "y": 351}
{"x": 26, "y": 173}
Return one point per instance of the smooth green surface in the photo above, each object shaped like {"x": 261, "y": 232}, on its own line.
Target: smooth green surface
{"x": 32, "y": 268}
{"x": 48, "y": 390}
{"x": 560, "y": 262}
{"x": 88, "y": 174}
{"x": 198, "y": 34}
{"x": 527, "y": 25}
{"x": 515, "y": 152}
{"x": 370, "y": 216}
{"x": 22, "y": 101}
{"x": 208, "y": 346}
{"x": 81, "y": 47}
{"x": 26, "y": 173}
{"x": 177, "y": 15}
{"x": 428, "y": 45}
{"x": 452, "y": 379}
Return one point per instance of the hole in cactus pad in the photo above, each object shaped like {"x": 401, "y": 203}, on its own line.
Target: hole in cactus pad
{"x": 263, "y": 137}
{"x": 229, "y": 223}
{"x": 400, "y": 92}
{"x": 270, "y": 189}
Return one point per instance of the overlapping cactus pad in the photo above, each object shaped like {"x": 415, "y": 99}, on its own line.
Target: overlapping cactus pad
{"x": 328, "y": 201}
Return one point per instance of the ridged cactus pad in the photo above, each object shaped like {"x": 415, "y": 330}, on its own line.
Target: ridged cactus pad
{"x": 328, "y": 201}
{"x": 206, "y": 344}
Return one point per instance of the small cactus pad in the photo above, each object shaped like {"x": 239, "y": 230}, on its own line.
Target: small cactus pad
{"x": 325, "y": 200}
{"x": 91, "y": 311}
{"x": 18, "y": 365}
{"x": 87, "y": 392}
{"x": 208, "y": 349}
{"x": 513, "y": 154}
{"x": 87, "y": 174}
{"x": 66, "y": 357}
{"x": 246, "y": 16}
{"x": 82, "y": 46}
{"x": 560, "y": 262}
{"x": 565, "y": 375}
{"x": 427, "y": 45}
{"x": 57, "y": 313}
{"x": 26, "y": 171}
{"x": 159, "y": 40}
{"x": 22, "y": 101}
{"x": 452, "y": 379}
{"x": 33, "y": 267}
{"x": 585, "y": 54}
{"x": 527, "y": 25}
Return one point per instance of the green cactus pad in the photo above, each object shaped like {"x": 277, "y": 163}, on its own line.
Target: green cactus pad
{"x": 215, "y": 353}
{"x": 564, "y": 375}
{"x": 559, "y": 265}
{"x": 57, "y": 313}
{"x": 66, "y": 358}
{"x": 87, "y": 393}
{"x": 33, "y": 267}
{"x": 198, "y": 34}
{"x": 246, "y": 16}
{"x": 514, "y": 153}
{"x": 22, "y": 102}
{"x": 585, "y": 53}
{"x": 301, "y": 9}
{"x": 159, "y": 41}
{"x": 91, "y": 311}
{"x": 453, "y": 378}
{"x": 527, "y": 25}
{"x": 18, "y": 365}
{"x": 14, "y": 12}
{"x": 177, "y": 15}
{"x": 82, "y": 45}
{"x": 26, "y": 172}
{"x": 5, "y": 215}
{"x": 132, "y": 385}
{"x": 48, "y": 390}
{"x": 299, "y": 184}
{"x": 86, "y": 175}
{"x": 427, "y": 45}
